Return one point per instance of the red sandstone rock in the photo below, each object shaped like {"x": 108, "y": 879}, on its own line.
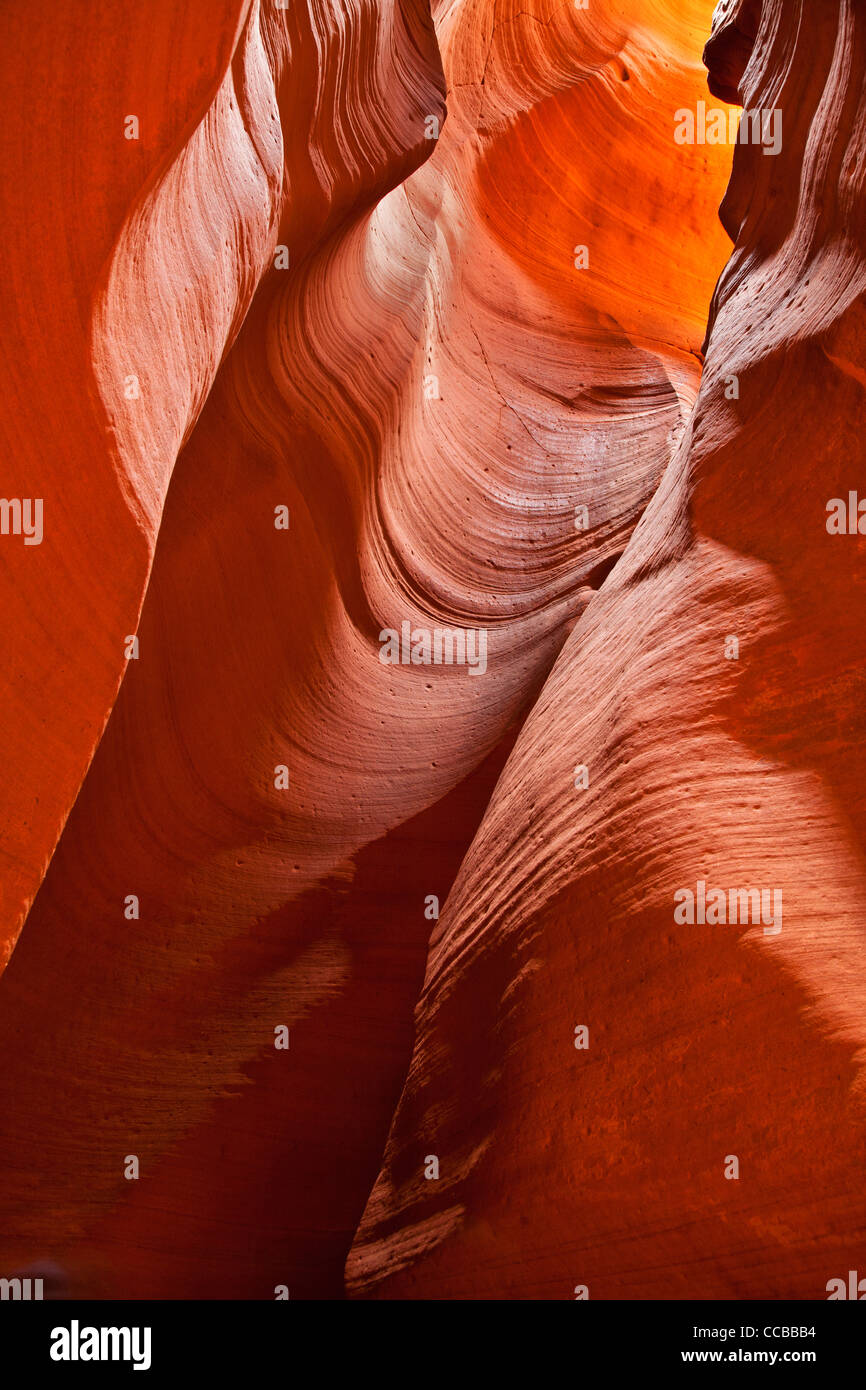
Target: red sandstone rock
{"x": 70, "y": 181}
{"x": 604, "y": 1167}
{"x": 432, "y": 388}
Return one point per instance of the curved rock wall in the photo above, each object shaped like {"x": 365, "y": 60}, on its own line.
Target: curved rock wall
{"x": 71, "y": 177}
{"x": 702, "y": 1137}
{"x": 457, "y": 355}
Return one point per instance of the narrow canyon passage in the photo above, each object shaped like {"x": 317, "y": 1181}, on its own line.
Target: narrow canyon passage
{"x": 392, "y": 321}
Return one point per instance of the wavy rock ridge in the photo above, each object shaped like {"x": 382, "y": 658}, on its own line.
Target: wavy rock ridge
{"x": 433, "y": 387}
{"x": 605, "y": 1167}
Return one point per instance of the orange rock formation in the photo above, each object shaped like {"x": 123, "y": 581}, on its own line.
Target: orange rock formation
{"x": 377, "y": 317}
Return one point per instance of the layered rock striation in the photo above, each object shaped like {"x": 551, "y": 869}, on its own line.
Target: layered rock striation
{"x": 383, "y": 329}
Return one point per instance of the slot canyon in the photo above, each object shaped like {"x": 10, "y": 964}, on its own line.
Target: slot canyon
{"x": 448, "y": 443}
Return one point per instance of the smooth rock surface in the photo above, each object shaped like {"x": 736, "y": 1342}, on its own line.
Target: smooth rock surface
{"x": 432, "y": 388}
{"x": 608, "y": 1167}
